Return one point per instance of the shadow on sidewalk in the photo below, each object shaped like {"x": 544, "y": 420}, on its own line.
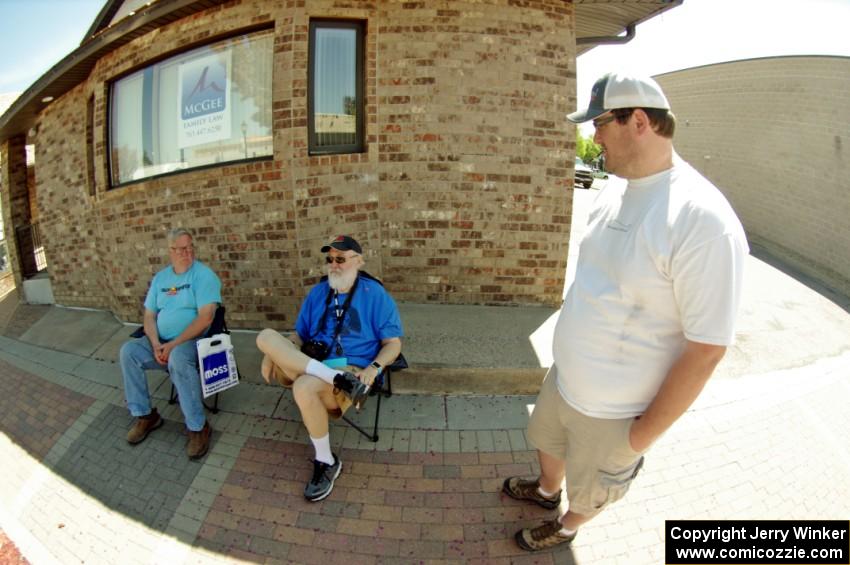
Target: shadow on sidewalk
{"x": 760, "y": 252}
{"x": 244, "y": 500}
{"x": 15, "y": 317}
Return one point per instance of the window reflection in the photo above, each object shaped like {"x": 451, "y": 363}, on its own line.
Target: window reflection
{"x": 209, "y": 105}
{"x": 335, "y": 90}
{"x": 336, "y": 87}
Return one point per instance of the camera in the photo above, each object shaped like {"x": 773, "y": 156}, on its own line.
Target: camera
{"x": 315, "y": 349}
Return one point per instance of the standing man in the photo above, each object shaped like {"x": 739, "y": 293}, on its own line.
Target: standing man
{"x": 179, "y": 308}
{"x": 352, "y": 330}
{"x": 645, "y": 323}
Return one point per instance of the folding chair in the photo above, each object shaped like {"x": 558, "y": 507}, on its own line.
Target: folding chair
{"x": 383, "y": 386}
{"x": 218, "y": 326}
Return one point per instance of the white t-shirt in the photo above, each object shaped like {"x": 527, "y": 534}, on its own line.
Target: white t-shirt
{"x": 662, "y": 261}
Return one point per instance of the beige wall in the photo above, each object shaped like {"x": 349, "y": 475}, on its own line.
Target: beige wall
{"x": 463, "y": 195}
{"x": 774, "y": 135}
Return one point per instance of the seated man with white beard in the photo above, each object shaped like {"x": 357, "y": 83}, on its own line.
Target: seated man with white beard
{"x": 348, "y": 329}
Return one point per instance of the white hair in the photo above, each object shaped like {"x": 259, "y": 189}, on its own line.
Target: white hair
{"x": 175, "y": 233}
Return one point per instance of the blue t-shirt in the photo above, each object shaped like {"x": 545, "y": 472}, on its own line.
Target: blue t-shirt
{"x": 176, "y": 299}
{"x": 371, "y": 317}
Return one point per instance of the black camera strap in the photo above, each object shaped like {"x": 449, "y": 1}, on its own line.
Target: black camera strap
{"x": 339, "y": 313}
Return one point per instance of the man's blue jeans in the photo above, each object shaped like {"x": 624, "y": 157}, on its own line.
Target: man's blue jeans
{"x": 137, "y": 355}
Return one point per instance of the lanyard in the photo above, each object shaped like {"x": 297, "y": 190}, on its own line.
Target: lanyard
{"x": 339, "y": 314}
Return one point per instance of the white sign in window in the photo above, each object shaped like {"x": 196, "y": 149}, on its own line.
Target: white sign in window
{"x": 204, "y": 95}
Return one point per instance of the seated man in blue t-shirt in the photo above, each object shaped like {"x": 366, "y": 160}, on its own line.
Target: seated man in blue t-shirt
{"x": 179, "y": 308}
{"x": 352, "y": 324}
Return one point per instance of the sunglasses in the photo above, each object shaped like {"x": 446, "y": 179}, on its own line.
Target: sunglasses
{"x": 598, "y": 123}
{"x": 337, "y": 260}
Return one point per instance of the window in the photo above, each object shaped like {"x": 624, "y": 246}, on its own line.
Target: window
{"x": 4, "y": 258}
{"x": 4, "y": 254}
{"x": 90, "y": 145}
{"x": 335, "y": 94}
{"x": 210, "y": 105}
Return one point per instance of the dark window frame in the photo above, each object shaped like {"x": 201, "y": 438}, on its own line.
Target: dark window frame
{"x": 359, "y": 145}
{"x": 90, "y": 166}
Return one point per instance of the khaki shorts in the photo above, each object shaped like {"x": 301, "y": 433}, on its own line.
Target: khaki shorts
{"x": 600, "y": 462}
{"x": 342, "y": 400}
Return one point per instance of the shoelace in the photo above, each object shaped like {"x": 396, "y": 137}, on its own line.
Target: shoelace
{"x": 319, "y": 468}
{"x": 546, "y": 530}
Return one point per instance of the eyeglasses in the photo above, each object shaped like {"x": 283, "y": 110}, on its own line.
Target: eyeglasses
{"x": 598, "y": 123}
{"x": 339, "y": 260}
{"x": 184, "y": 249}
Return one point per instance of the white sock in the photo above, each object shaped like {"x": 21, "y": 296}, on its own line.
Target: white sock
{"x": 319, "y": 369}
{"x": 322, "y": 446}
{"x": 545, "y": 494}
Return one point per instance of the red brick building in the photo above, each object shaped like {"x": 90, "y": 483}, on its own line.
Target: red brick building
{"x": 432, "y": 131}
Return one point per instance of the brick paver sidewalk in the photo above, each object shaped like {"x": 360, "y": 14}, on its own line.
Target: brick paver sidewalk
{"x": 9, "y": 554}
{"x": 96, "y": 498}
{"x": 761, "y": 447}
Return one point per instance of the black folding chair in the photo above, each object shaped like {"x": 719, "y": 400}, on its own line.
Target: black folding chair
{"x": 218, "y": 326}
{"x": 383, "y": 386}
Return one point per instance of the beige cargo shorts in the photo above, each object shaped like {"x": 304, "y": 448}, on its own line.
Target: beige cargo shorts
{"x": 344, "y": 402}
{"x": 600, "y": 462}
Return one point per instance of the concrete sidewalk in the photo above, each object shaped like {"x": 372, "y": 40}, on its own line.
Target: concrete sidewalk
{"x": 766, "y": 440}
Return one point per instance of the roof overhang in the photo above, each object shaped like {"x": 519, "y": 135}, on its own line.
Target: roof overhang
{"x": 601, "y": 22}
{"x": 76, "y": 67}
{"x": 597, "y": 22}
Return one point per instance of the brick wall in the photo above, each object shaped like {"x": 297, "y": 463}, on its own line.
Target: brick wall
{"x": 773, "y": 135}
{"x": 462, "y": 195}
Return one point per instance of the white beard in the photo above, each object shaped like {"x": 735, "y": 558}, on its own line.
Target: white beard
{"x": 342, "y": 281}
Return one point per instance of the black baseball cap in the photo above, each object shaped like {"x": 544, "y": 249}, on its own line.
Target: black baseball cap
{"x": 343, "y": 243}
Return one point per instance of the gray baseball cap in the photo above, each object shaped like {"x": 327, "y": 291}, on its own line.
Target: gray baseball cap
{"x": 616, "y": 90}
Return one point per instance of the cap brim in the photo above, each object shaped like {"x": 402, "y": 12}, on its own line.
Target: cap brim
{"x": 585, "y": 115}
{"x": 340, "y": 247}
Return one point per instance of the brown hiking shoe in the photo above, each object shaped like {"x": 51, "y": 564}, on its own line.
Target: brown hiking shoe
{"x": 542, "y": 537}
{"x": 199, "y": 442}
{"x": 143, "y": 426}
{"x": 522, "y": 489}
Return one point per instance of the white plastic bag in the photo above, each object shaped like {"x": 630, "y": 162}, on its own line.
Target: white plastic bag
{"x": 216, "y": 364}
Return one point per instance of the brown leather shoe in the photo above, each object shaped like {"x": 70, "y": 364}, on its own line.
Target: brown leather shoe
{"x": 143, "y": 426}
{"x": 199, "y": 442}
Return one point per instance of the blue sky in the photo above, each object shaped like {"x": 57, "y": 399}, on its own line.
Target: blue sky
{"x": 36, "y": 34}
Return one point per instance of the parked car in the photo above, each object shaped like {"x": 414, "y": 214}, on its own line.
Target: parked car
{"x": 583, "y": 174}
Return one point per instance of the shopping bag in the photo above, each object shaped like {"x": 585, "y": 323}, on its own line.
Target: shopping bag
{"x": 217, "y": 364}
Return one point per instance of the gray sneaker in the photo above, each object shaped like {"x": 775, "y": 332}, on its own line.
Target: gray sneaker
{"x": 544, "y": 536}
{"x": 522, "y": 489}
{"x": 322, "y": 483}
{"x": 352, "y": 387}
